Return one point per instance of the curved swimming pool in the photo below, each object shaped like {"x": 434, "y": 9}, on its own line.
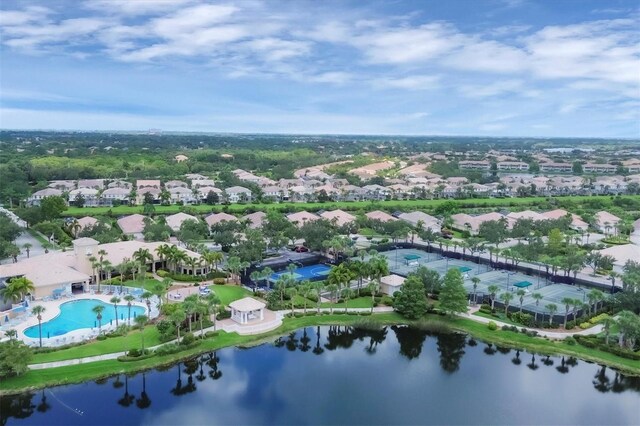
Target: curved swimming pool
{"x": 77, "y": 314}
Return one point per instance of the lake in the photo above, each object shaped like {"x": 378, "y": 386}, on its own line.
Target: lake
{"x": 342, "y": 375}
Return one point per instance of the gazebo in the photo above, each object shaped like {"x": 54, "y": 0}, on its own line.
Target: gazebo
{"x": 247, "y": 309}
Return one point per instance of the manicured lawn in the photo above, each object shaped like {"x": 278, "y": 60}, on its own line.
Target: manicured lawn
{"x": 111, "y": 345}
{"x": 502, "y": 318}
{"x": 347, "y": 205}
{"x": 147, "y": 283}
{"x": 93, "y": 371}
{"x": 229, "y": 293}
{"x": 358, "y": 302}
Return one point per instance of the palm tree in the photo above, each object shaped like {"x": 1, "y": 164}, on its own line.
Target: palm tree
{"x": 27, "y": 248}
{"x": 374, "y": 287}
{"x": 142, "y": 256}
{"x": 159, "y": 290}
{"x": 592, "y": 297}
{"x": 305, "y": 288}
{"x": 567, "y": 302}
{"x": 216, "y": 258}
{"x": 177, "y": 318}
{"x": 147, "y": 295}
{"x": 141, "y": 321}
{"x": 17, "y": 289}
{"x": 607, "y": 323}
{"x": 318, "y": 286}
{"x": 506, "y": 298}
{"x": 234, "y": 265}
{"x": 163, "y": 251}
{"x": 293, "y": 292}
{"x": 98, "y": 309}
{"x": 38, "y": 310}
{"x": 115, "y": 300}
{"x": 212, "y": 302}
{"x": 347, "y": 294}
{"x": 333, "y": 289}
{"x": 493, "y": 291}
{"x": 129, "y": 298}
{"x": 475, "y": 281}
{"x": 201, "y": 310}
{"x": 123, "y": 268}
{"x": 577, "y": 304}
{"x": 189, "y": 306}
{"x": 537, "y": 297}
{"x": 552, "y": 308}
{"x": 521, "y": 293}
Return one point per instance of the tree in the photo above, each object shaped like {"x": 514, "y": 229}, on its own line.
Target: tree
{"x": 552, "y": 308}
{"x": 38, "y": 310}
{"x": 374, "y": 287}
{"x": 453, "y": 296}
{"x": 629, "y": 329}
{"x": 115, "y": 300}
{"x": 52, "y": 207}
{"x": 129, "y": 298}
{"x": 567, "y": 302}
{"x": 98, "y": 309}
{"x": 475, "y": 281}
{"x": 537, "y": 297}
{"x": 212, "y": 198}
{"x": 493, "y": 291}
{"x": 141, "y": 321}
{"x": 521, "y": 293}
{"x": 14, "y": 358}
{"x": 189, "y": 305}
{"x": 506, "y": 298}
{"x": 27, "y": 248}
{"x": 212, "y": 302}
{"x": 410, "y": 301}
{"x": 17, "y": 289}
{"x": 177, "y": 318}
{"x": 430, "y": 279}
{"x": 142, "y": 256}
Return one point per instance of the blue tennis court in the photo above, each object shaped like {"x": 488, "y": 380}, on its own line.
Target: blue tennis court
{"x": 312, "y": 273}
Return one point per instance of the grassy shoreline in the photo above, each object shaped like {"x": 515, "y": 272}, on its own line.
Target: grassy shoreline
{"x": 345, "y": 205}
{"x": 37, "y": 379}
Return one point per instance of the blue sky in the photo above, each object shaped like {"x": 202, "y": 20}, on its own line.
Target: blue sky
{"x": 458, "y": 67}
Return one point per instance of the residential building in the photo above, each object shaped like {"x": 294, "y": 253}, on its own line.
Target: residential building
{"x": 216, "y": 218}
{"x": 339, "y": 217}
{"x": 133, "y": 225}
{"x": 556, "y": 167}
{"x": 606, "y": 222}
{"x": 599, "y": 168}
{"x": 474, "y": 165}
{"x": 427, "y": 221}
{"x": 380, "y": 215}
{"x": 513, "y": 165}
{"x": 255, "y": 220}
{"x": 175, "y": 221}
{"x": 300, "y": 218}
{"x": 36, "y": 197}
{"x": 109, "y": 195}
{"x": 238, "y": 193}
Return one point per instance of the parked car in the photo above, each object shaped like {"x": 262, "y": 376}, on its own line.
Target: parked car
{"x": 301, "y": 249}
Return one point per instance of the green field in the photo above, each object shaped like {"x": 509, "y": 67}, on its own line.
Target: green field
{"x": 93, "y": 371}
{"x": 229, "y": 293}
{"x": 345, "y": 205}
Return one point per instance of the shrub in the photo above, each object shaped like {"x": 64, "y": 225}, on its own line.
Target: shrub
{"x": 522, "y": 318}
{"x": 223, "y": 314}
{"x": 219, "y": 281}
{"x": 570, "y": 341}
{"x": 169, "y": 348}
{"x": 134, "y": 353}
{"x": 298, "y": 314}
{"x": 365, "y": 313}
{"x": 585, "y": 325}
{"x": 571, "y": 325}
{"x": 101, "y": 337}
{"x": 210, "y": 334}
{"x": 188, "y": 339}
{"x": 386, "y": 300}
{"x": 162, "y": 273}
{"x": 492, "y": 326}
{"x": 168, "y": 308}
{"x": 598, "y": 318}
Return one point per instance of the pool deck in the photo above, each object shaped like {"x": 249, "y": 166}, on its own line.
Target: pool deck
{"x": 53, "y": 309}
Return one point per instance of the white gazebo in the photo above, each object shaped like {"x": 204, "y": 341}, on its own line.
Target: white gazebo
{"x": 247, "y": 309}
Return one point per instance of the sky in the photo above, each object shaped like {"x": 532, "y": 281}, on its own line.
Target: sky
{"x": 566, "y": 68}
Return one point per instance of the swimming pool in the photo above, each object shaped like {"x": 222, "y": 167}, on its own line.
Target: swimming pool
{"x": 77, "y": 314}
{"x": 311, "y": 272}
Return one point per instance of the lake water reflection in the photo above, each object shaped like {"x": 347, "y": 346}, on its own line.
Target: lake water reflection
{"x": 342, "y": 375}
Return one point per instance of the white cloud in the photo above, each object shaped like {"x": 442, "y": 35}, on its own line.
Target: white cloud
{"x": 30, "y": 15}
{"x": 412, "y": 82}
{"x": 135, "y": 7}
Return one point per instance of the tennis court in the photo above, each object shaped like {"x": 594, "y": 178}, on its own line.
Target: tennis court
{"x": 311, "y": 272}
{"x": 405, "y": 261}
{"x": 468, "y": 269}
